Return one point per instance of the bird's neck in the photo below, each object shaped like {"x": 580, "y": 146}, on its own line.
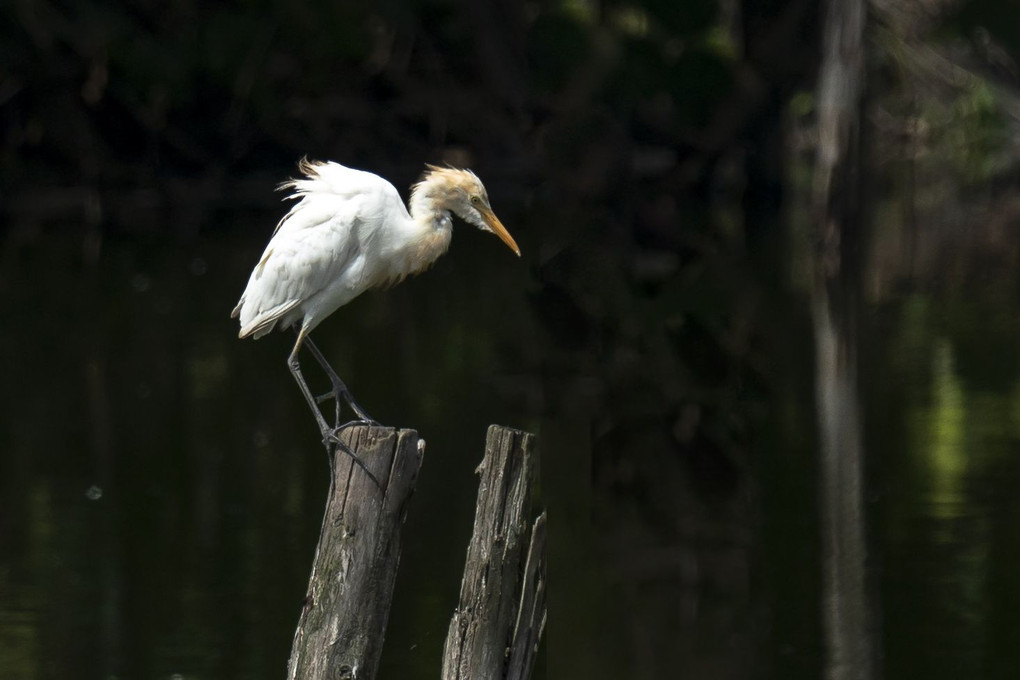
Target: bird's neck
{"x": 431, "y": 227}
{"x": 425, "y": 203}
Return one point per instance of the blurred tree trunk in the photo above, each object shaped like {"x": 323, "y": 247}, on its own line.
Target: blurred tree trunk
{"x": 837, "y": 220}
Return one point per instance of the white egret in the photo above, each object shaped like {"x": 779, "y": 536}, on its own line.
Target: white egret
{"x": 348, "y": 232}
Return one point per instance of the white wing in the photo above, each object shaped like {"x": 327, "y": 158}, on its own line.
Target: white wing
{"x": 318, "y": 258}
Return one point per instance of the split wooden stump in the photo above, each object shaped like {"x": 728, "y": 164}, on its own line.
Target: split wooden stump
{"x": 499, "y": 621}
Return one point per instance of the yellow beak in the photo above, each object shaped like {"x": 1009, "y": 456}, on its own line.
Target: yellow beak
{"x": 498, "y": 229}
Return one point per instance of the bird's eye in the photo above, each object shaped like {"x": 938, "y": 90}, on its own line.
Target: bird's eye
{"x": 476, "y": 200}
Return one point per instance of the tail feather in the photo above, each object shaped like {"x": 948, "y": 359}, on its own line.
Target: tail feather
{"x": 257, "y": 331}
{"x": 263, "y": 322}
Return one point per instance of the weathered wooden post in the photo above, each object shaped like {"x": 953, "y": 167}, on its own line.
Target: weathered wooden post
{"x": 496, "y": 629}
{"x": 343, "y": 623}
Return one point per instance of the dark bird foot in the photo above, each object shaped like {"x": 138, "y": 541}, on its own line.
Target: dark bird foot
{"x": 344, "y": 396}
{"x": 332, "y": 437}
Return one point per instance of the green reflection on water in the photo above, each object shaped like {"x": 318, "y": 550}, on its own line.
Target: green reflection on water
{"x": 946, "y": 521}
{"x": 941, "y": 435}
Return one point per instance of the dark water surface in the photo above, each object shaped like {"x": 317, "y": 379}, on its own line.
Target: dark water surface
{"x": 161, "y": 483}
{"x": 944, "y": 428}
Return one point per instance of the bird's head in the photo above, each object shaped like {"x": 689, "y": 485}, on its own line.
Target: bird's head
{"x": 461, "y": 192}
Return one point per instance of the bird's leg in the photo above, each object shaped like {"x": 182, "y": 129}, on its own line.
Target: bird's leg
{"x": 329, "y": 435}
{"x": 295, "y": 370}
{"x": 339, "y": 390}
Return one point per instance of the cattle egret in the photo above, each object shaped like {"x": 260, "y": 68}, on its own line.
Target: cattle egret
{"x": 348, "y": 232}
